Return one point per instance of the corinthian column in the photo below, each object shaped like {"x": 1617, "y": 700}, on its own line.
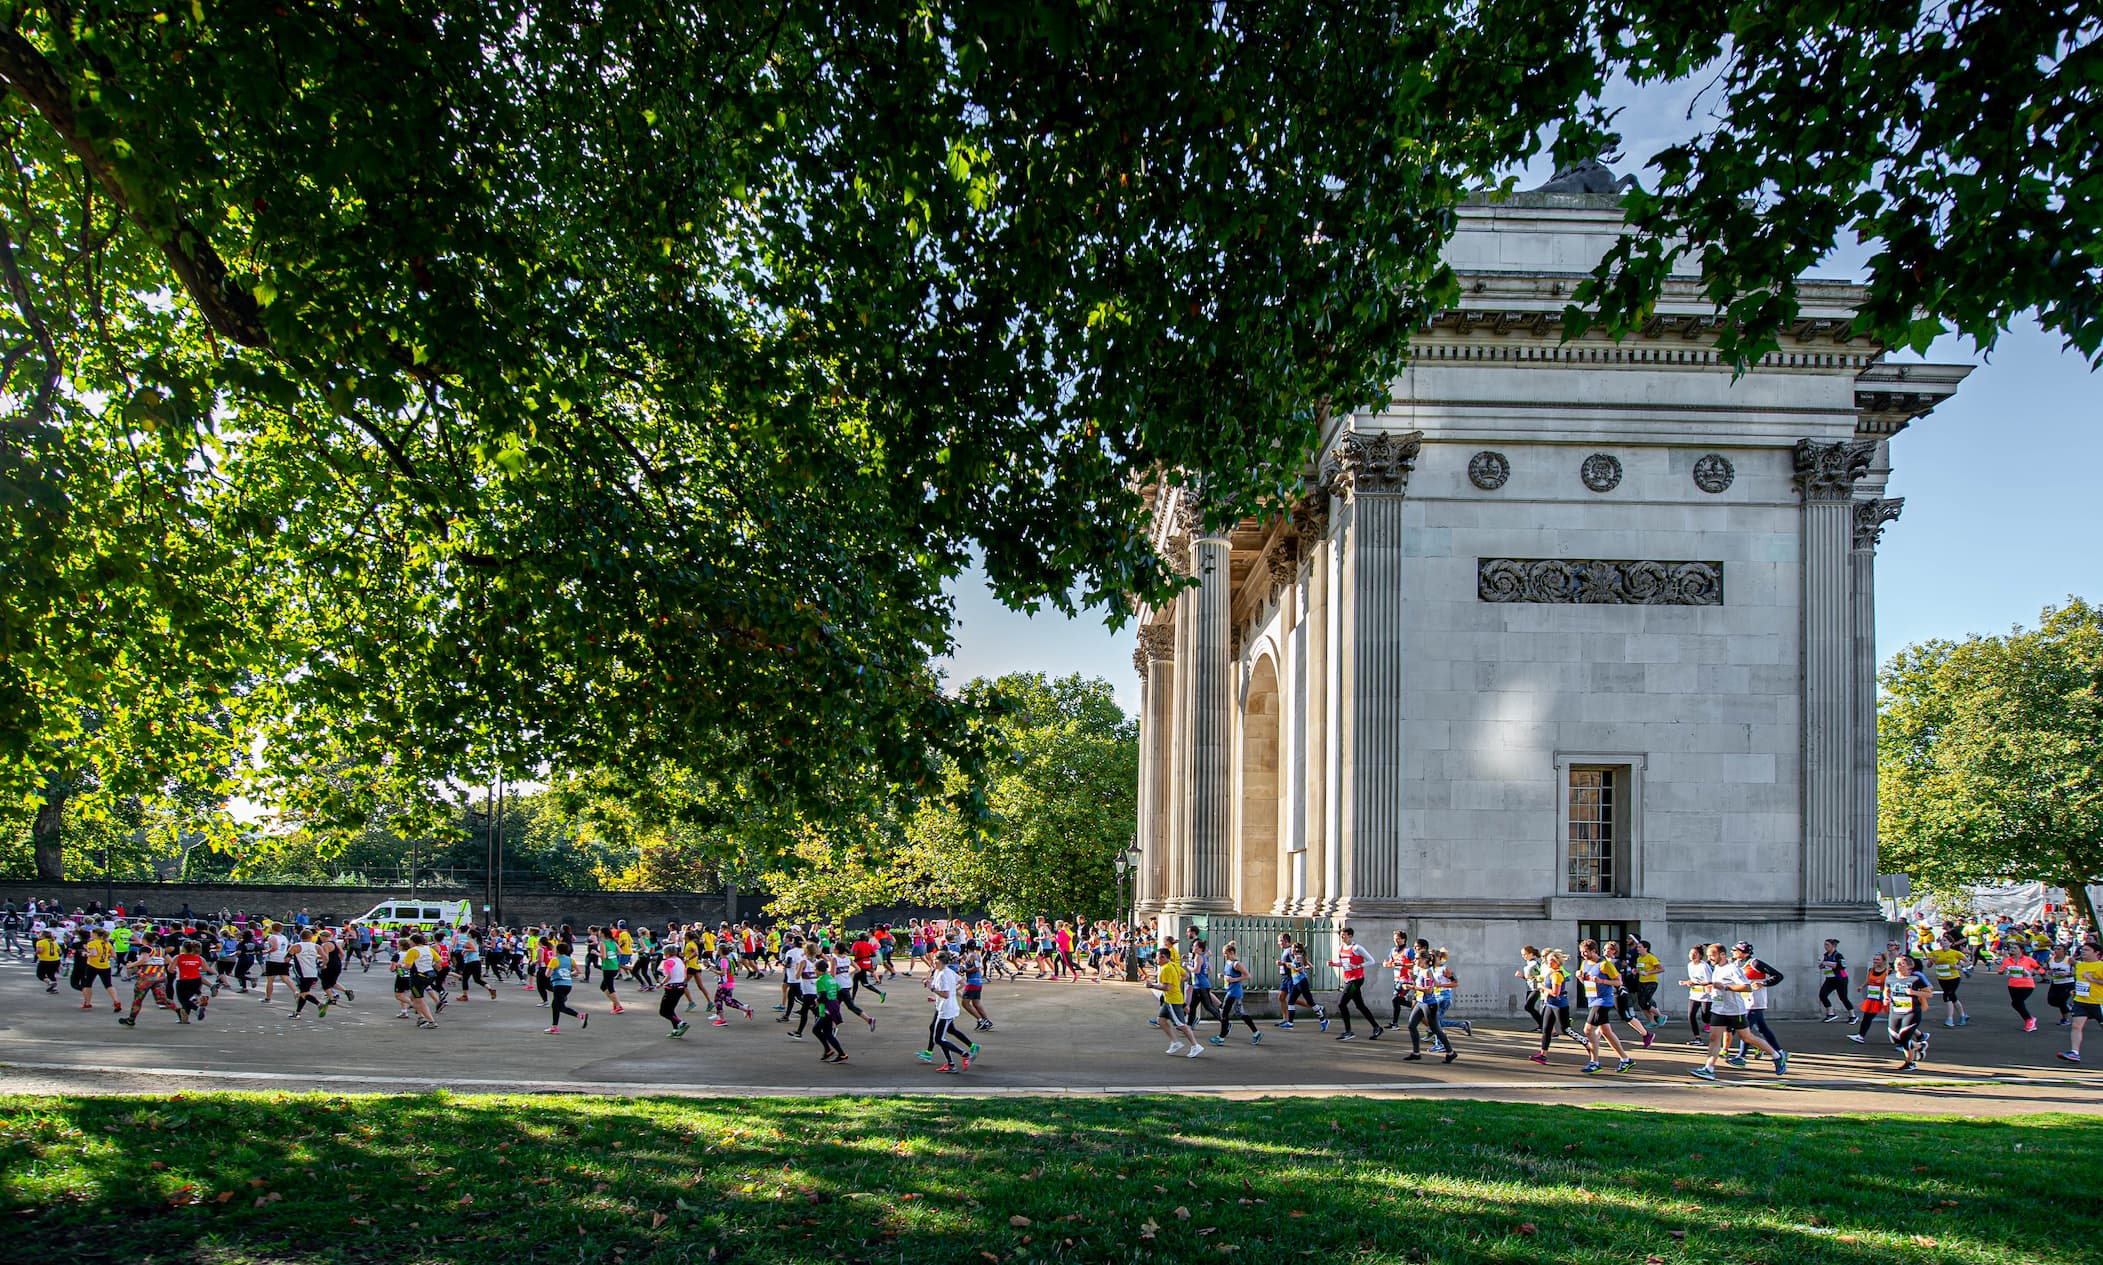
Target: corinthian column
{"x": 1366, "y": 476}
{"x": 1825, "y": 476}
{"x": 1155, "y": 660}
{"x": 1870, "y": 519}
{"x": 1207, "y": 820}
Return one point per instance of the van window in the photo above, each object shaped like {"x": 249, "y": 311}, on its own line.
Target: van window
{"x": 431, "y": 914}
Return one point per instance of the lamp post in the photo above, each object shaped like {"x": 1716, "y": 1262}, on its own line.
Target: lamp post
{"x": 1128, "y": 864}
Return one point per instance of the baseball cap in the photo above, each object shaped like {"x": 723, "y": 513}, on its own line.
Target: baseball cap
{"x": 1743, "y": 946}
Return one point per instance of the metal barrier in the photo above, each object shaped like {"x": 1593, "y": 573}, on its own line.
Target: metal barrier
{"x": 1257, "y": 938}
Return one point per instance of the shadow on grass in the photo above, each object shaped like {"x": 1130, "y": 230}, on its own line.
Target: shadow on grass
{"x": 228, "y": 1179}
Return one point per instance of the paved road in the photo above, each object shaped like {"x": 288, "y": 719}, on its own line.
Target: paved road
{"x": 1051, "y": 1038}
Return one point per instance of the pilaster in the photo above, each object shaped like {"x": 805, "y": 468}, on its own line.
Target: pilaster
{"x": 1206, "y": 842}
{"x": 1870, "y": 518}
{"x": 1825, "y": 477}
{"x": 1155, "y": 660}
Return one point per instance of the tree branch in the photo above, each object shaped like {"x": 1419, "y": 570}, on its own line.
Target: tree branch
{"x": 19, "y": 288}
{"x": 230, "y": 312}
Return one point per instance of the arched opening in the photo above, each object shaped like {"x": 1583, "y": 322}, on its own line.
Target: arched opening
{"x": 1256, "y": 866}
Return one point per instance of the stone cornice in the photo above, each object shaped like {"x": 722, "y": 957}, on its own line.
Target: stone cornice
{"x": 1827, "y": 472}
{"x": 1375, "y": 463}
{"x": 1890, "y": 397}
{"x": 1156, "y": 641}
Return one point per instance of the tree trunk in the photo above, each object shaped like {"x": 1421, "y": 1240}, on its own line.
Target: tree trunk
{"x": 2077, "y": 895}
{"x": 44, "y": 835}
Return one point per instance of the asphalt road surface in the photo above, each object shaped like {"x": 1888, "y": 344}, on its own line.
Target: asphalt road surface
{"x": 1051, "y": 1038}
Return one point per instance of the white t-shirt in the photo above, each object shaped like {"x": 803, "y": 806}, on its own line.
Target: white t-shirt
{"x": 276, "y": 949}
{"x": 1725, "y": 1001}
{"x": 674, "y": 972}
{"x": 1699, "y": 989}
{"x": 945, "y": 981}
{"x": 790, "y": 961}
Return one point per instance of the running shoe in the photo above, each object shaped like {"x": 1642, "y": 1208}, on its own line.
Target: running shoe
{"x": 1648, "y": 1037}
{"x": 1829, "y": 1018}
{"x": 1155, "y": 1023}
{"x": 129, "y": 1021}
{"x": 1949, "y": 1023}
{"x": 1324, "y": 1021}
{"x": 426, "y": 1023}
{"x": 1964, "y": 1021}
{"x": 1255, "y": 1038}
{"x": 2029, "y": 1025}
{"x": 1348, "y": 1036}
{"x": 927, "y": 1056}
{"x": 1781, "y": 1062}
{"x": 1736, "y": 1060}
{"x": 1195, "y": 1050}
{"x": 348, "y": 995}
{"x": 1624, "y": 1065}
{"x": 619, "y": 1010}
{"x": 1589, "y": 1068}
{"x": 1412, "y": 1057}
{"x": 1538, "y": 1057}
{"x": 1176, "y": 1048}
{"x": 1697, "y": 1041}
{"x": 2068, "y": 1056}
{"x": 1377, "y": 1030}
{"x": 553, "y": 1032}
{"x": 681, "y": 1029}
{"x": 585, "y": 1021}
{"x": 793, "y": 1036}
{"x": 717, "y": 1022}
{"x": 1217, "y": 1040}
{"x": 966, "y": 1064}
{"x": 947, "y": 1067}
{"x": 1450, "y": 1056}
{"x": 88, "y": 1005}
{"x": 1703, "y": 1073}
{"x": 1283, "y": 1023}
{"x": 1857, "y": 1038}
{"x": 1467, "y": 1029}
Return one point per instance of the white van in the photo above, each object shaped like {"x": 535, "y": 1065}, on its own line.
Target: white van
{"x": 425, "y": 915}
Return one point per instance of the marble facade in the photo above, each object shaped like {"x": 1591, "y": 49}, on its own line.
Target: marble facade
{"x": 1561, "y": 637}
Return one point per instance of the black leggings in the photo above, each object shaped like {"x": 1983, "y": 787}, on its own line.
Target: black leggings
{"x": 561, "y": 1004}
{"x": 668, "y": 1006}
{"x": 1426, "y": 1012}
{"x": 829, "y": 1027}
{"x": 938, "y": 1036}
{"x": 2020, "y": 999}
{"x": 2057, "y": 996}
{"x": 1533, "y": 1006}
{"x": 1201, "y": 998}
{"x": 802, "y": 1007}
{"x": 1867, "y": 1019}
{"x": 1353, "y": 994}
{"x": 1697, "y": 1016}
{"x": 1231, "y": 1011}
{"x": 1836, "y": 984}
{"x": 1556, "y": 1023}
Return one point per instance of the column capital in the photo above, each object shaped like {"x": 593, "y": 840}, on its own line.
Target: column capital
{"x": 1827, "y": 472}
{"x": 1373, "y": 463}
{"x": 1872, "y": 515}
{"x": 1310, "y": 517}
{"x": 1156, "y": 641}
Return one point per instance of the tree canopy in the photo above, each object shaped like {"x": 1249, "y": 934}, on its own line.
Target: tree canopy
{"x": 1990, "y": 757}
{"x": 409, "y": 392}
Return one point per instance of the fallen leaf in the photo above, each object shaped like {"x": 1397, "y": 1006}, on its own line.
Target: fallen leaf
{"x": 224, "y": 1195}
{"x": 1922, "y": 1240}
{"x": 657, "y": 1219}
{"x": 1148, "y": 1227}
{"x": 1849, "y": 1238}
{"x": 466, "y": 1199}
{"x": 989, "y": 1256}
{"x": 1296, "y": 1213}
{"x": 1182, "y": 1213}
{"x": 1018, "y": 1221}
{"x": 1528, "y": 1227}
{"x": 1677, "y": 1235}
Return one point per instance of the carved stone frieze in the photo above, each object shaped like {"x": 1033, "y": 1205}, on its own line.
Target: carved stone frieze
{"x": 1827, "y": 472}
{"x": 1488, "y": 470}
{"x": 1599, "y": 581}
{"x": 1872, "y": 516}
{"x": 1310, "y": 520}
{"x": 1371, "y": 464}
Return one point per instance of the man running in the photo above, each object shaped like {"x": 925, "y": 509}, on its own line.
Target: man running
{"x": 1728, "y": 994}
{"x": 2088, "y": 997}
{"x": 1600, "y": 979}
{"x": 1295, "y": 983}
{"x": 1353, "y": 960}
{"x": 1168, "y": 980}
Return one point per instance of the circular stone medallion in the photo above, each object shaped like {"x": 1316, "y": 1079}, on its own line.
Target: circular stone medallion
{"x": 1713, "y": 473}
{"x": 1601, "y": 472}
{"x": 1488, "y": 470}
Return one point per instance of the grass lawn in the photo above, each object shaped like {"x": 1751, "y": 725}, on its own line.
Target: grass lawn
{"x": 235, "y": 1178}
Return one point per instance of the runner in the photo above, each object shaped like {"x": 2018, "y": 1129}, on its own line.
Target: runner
{"x": 803, "y": 969}
{"x": 726, "y": 987}
{"x": 1295, "y": 983}
{"x": 47, "y": 958}
{"x": 610, "y": 964}
{"x": 149, "y": 978}
{"x": 674, "y": 989}
{"x": 1761, "y": 976}
{"x": 1427, "y": 978}
{"x": 941, "y": 987}
{"x": 974, "y": 988}
{"x": 305, "y": 960}
{"x": 2059, "y": 988}
{"x": 1874, "y": 988}
{"x": 1168, "y": 980}
{"x": 1600, "y": 980}
{"x": 414, "y": 979}
{"x": 1201, "y": 1007}
{"x": 1529, "y": 973}
{"x": 96, "y": 957}
{"x": 1352, "y": 960}
{"x": 1236, "y": 978}
{"x": 332, "y": 962}
{"x": 1907, "y": 990}
{"x": 1697, "y": 985}
{"x": 2021, "y": 972}
{"x": 562, "y": 977}
{"x": 2088, "y": 996}
{"x": 1832, "y": 968}
{"x": 276, "y": 949}
{"x": 828, "y": 1003}
{"x": 1947, "y": 964}
{"x": 1555, "y": 1003}
{"x": 190, "y": 993}
{"x": 1648, "y": 969}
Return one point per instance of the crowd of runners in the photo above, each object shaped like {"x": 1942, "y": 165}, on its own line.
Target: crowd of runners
{"x": 1603, "y": 998}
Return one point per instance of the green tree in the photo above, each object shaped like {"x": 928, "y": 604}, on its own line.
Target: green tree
{"x": 1990, "y": 757}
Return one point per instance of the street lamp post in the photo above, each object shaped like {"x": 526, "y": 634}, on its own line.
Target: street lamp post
{"x": 1128, "y": 864}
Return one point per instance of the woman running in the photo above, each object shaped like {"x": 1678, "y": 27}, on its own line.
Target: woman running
{"x": 828, "y": 1027}
{"x": 1427, "y": 977}
{"x": 2021, "y": 972}
{"x": 726, "y": 987}
{"x": 1601, "y": 981}
{"x": 2059, "y": 982}
{"x": 1874, "y": 986}
{"x": 1909, "y": 995}
{"x": 1236, "y": 978}
{"x": 1555, "y": 1003}
{"x": 1697, "y": 985}
{"x": 610, "y": 968}
{"x": 562, "y": 976}
{"x": 1529, "y": 973}
{"x": 190, "y": 992}
{"x": 96, "y": 957}
{"x": 673, "y": 990}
